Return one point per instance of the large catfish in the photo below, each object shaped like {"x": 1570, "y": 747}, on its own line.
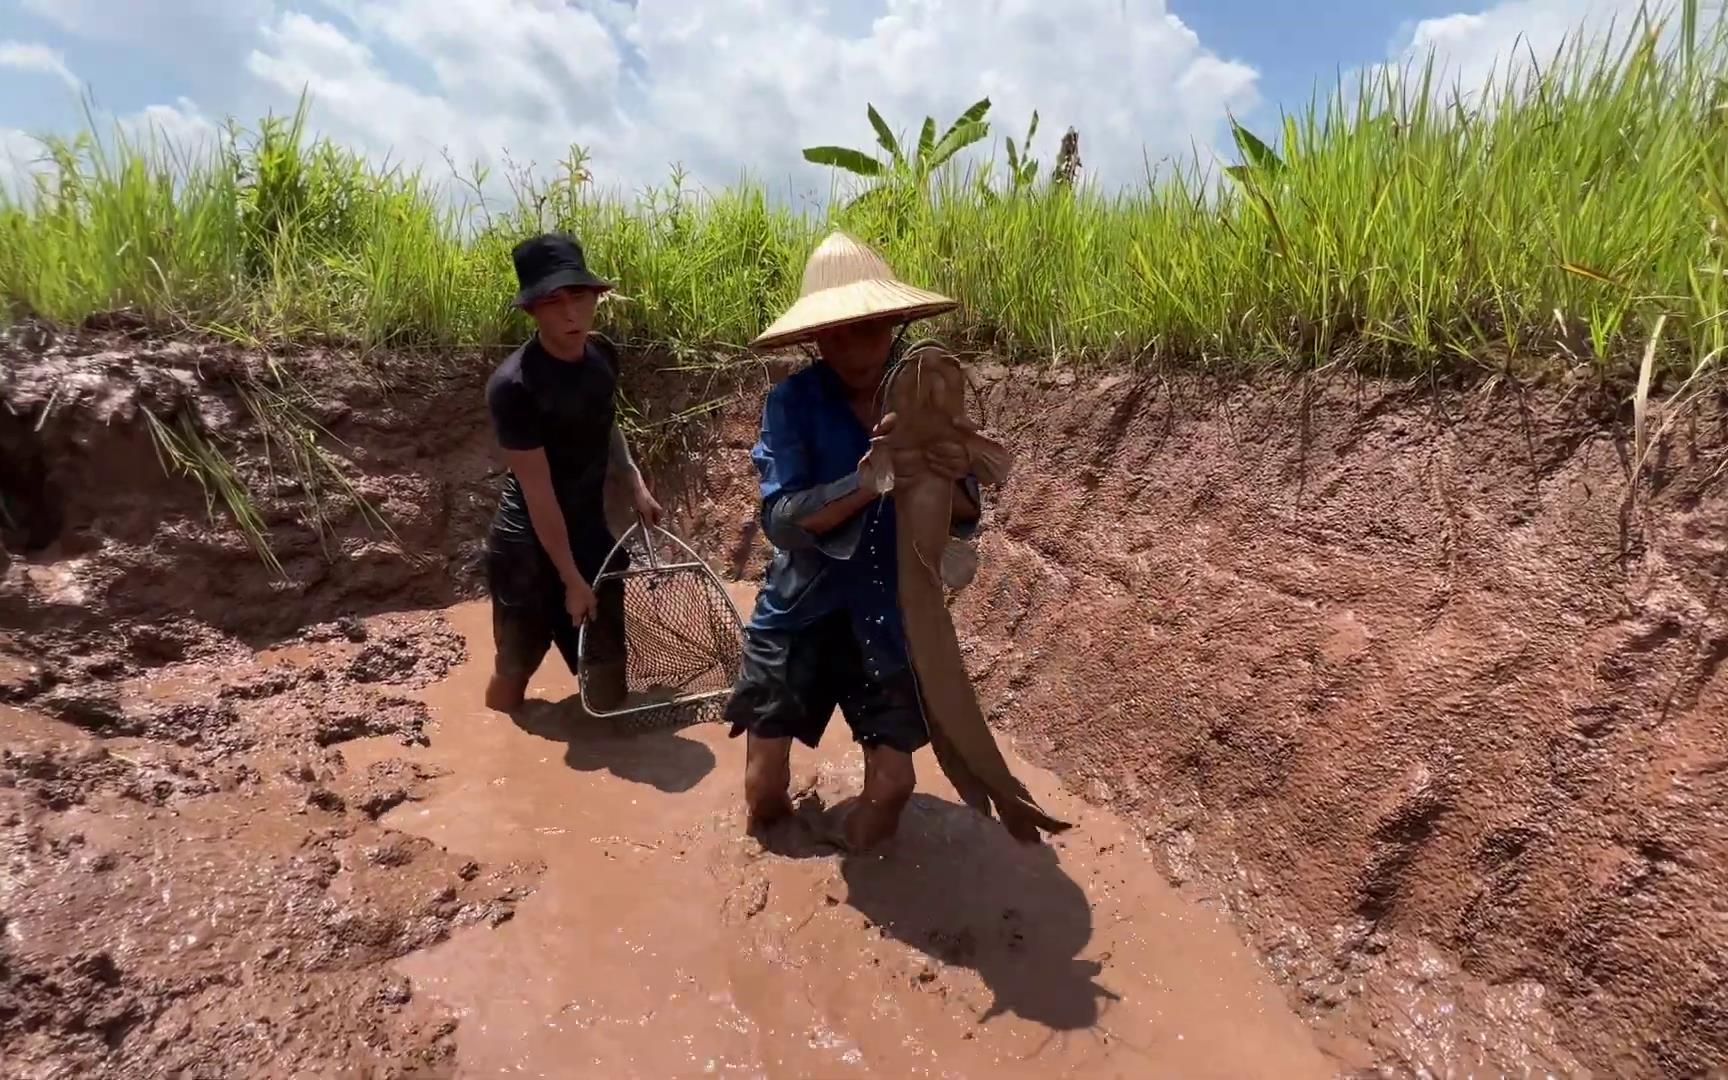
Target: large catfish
{"x": 927, "y": 395}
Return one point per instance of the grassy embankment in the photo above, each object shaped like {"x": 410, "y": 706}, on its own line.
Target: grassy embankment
{"x": 1563, "y": 219}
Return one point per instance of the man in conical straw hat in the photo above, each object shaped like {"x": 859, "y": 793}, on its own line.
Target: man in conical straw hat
{"x": 826, "y": 630}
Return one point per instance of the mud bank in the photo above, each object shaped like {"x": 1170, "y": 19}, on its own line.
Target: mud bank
{"x": 1415, "y": 683}
{"x": 1421, "y": 682}
{"x": 194, "y": 880}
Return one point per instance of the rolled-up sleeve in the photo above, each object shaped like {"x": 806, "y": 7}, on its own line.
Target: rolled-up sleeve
{"x": 782, "y": 460}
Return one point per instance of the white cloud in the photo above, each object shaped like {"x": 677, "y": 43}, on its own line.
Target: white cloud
{"x": 358, "y": 102}
{"x": 726, "y": 86}
{"x": 20, "y": 155}
{"x": 722, "y": 87}
{"x": 29, "y": 56}
{"x": 751, "y": 81}
{"x": 183, "y": 125}
{"x": 536, "y": 59}
{"x": 188, "y": 131}
{"x": 1470, "y": 47}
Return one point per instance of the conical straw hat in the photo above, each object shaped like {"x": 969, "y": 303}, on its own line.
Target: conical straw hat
{"x": 845, "y": 282}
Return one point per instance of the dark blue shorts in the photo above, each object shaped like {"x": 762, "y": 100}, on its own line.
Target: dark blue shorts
{"x": 791, "y": 681}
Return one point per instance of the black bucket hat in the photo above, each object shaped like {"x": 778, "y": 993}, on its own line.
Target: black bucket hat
{"x": 549, "y": 262}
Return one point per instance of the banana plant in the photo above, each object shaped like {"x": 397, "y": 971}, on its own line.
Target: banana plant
{"x": 1259, "y": 177}
{"x": 1257, "y": 157}
{"x": 930, "y": 154}
{"x": 1022, "y": 167}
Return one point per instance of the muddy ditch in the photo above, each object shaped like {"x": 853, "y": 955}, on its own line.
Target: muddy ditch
{"x": 1410, "y": 681}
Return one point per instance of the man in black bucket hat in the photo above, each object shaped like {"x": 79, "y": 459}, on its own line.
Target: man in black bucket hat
{"x": 553, "y": 411}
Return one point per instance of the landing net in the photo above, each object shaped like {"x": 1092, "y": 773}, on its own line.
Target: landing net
{"x": 681, "y": 635}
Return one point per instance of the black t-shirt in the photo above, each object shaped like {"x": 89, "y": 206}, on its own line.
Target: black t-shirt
{"x": 539, "y": 402}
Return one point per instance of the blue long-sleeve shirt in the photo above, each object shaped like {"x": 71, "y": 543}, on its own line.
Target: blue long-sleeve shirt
{"x": 807, "y": 457}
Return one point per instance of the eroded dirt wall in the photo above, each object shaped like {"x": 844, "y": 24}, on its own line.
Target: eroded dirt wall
{"x": 1392, "y": 668}
{"x": 1406, "y": 678}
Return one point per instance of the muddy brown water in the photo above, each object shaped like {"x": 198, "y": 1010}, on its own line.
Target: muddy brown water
{"x": 662, "y": 942}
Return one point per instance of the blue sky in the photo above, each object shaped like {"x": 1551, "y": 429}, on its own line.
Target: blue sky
{"x": 1294, "y": 43}
{"x": 725, "y": 86}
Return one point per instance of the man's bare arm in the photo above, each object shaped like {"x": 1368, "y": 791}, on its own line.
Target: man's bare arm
{"x": 838, "y": 512}
{"x": 534, "y": 473}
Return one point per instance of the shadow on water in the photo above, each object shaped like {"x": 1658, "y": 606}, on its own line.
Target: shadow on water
{"x": 660, "y": 758}
{"x": 956, "y": 887}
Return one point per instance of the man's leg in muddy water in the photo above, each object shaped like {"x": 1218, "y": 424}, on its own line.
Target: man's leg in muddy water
{"x": 521, "y": 637}
{"x": 603, "y": 670}
{"x": 767, "y": 781}
{"x": 506, "y": 693}
{"x": 518, "y": 650}
{"x": 889, "y": 780}
{"x": 521, "y": 634}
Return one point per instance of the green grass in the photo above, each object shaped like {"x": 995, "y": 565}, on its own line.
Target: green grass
{"x": 1548, "y": 224}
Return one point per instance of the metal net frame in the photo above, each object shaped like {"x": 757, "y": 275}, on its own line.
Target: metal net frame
{"x": 682, "y": 635}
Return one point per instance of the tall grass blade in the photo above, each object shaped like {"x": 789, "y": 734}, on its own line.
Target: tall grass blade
{"x": 1641, "y": 400}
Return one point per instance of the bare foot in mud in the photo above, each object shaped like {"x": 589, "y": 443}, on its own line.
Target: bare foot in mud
{"x": 869, "y": 826}
{"x": 767, "y": 783}
{"x": 506, "y": 695}
{"x": 804, "y": 830}
{"x": 889, "y": 781}
{"x": 762, "y": 818}
{"x": 825, "y": 828}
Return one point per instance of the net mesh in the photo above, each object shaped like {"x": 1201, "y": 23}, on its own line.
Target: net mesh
{"x": 666, "y": 644}
{"x": 672, "y": 717}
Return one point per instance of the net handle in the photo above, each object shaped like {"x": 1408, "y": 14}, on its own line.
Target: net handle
{"x": 638, "y": 527}
{"x": 647, "y": 537}
{"x": 649, "y": 533}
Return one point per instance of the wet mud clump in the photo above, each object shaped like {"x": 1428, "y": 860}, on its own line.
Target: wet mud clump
{"x": 202, "y": 886}
{"x": 193, "y": 879}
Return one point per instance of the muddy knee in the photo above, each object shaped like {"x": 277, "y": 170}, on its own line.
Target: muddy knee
{"x": 767, "y": 777}
{"x": 888, "y": 784}
{"x": 889, "y": 778}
